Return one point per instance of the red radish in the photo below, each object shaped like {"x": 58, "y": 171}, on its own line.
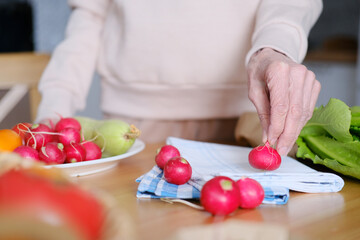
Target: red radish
{"x": 52, "y": 153}
{"x": 251, "y": 192}
{"x": 68, "y": 136}
{"x": 92, "y": 150}
{"x": 264, "y": 157}
{"x": 22, "y": 128}
{"x": 75, "y": 152}
{"x": 39, "y": 135}
{"x": 220, "y": 196}
{"x": 177, "y": 171}
{"x": 31, "y": 195}
{"x": 67, "y": 123}
{"x": 27, "y": 152}
{"x": 164, "y": 154}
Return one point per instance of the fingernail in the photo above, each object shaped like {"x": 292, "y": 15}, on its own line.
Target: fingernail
{"x": 283, "y": 151}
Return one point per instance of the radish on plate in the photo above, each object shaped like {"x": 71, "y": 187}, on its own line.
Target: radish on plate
{"x": 264, "y": 157}
{"x": 92, "y": 150}
{"x": 74, "y": 152}
{"x": 68, "y": 136}
{"x": 251, "y": 192}
{"x": 27, "y": 152}
{"x": 177, "y": 171}
{"x": 67, "y": 123}
{"x": 220, "y": 196}
{"x": 164, "y": 154}
{"x": 38, "y": 136}
{"x": 52, "y": 153}
{"x": 22, "y": 128}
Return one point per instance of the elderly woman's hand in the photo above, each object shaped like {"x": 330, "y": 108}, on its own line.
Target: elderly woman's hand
{"x": 284, "y": 94}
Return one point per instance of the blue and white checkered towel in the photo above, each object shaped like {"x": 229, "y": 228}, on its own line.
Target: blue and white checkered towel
{"x": 211, "y": 159}
{"x": 153, "y": 185}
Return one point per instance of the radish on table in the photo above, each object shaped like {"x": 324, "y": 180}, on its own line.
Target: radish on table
{"x": 164, "y": 154}
{"x": 251, "y": 192}
{"x": 220, "y": 196}
{"x": 177, "y": 171}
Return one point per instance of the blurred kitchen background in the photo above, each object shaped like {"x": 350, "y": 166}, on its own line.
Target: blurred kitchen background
{"x": 37, "y": 26}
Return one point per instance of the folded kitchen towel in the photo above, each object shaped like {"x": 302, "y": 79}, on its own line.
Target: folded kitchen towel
{"x": 210, "y": 159}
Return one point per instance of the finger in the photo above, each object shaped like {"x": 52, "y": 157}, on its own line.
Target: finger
{"x": 294, "y": 116}
{"x": 307, "y": 96}
{"x": 314, "y": 96}
{"x": 314, "y": 93}
{"x": 278, "y": 84}
{"x": 259, "y": 97}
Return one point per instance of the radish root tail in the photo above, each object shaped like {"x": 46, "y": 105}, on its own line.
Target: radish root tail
{"x": 175, "y": 200}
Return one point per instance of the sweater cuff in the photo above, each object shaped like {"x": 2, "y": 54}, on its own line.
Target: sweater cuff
{"x": 59, "y": 103}
{"x": 281, "y": 37}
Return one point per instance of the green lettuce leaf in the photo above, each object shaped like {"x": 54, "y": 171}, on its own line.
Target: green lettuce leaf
{"x": 331, "y": 138}
{"x": 355, "y": 116}
{"x": 343, "y": 157}
{"x": 333, "y": 119}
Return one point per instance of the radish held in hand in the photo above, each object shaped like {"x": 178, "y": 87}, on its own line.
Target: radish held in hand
{"x": 68, "y": 136}
{"x": 115, "y": 137}
{"x": 38, "y": 136}
{"x": 251, "y": 192}
{"x": 177, "y": 171}
{"x": 220, "y": 196}
{"x": 74, "y": 152}
{"x": 164, "y": 154}
{"x": 52, "y": 153}
{"x": 264, "y": 157}
{"x": 92, "y": 150}
{"x": 27, "y": 152}
{"x": 67, "y": 123}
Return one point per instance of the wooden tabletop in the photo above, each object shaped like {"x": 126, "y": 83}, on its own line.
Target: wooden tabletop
{"x": 305, "y": 216}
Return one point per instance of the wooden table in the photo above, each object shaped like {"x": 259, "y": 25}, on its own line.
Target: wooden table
{"x": 305, "y": 216}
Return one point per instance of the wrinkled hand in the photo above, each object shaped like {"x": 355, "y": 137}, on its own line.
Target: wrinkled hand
{"x": 284, "y": 94}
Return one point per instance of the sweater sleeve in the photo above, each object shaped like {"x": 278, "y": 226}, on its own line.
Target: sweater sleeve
{"x": 65, "y": 83}
{"x": 284, "y": 26}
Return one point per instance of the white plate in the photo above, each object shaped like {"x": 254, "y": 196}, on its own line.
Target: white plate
{"x": 99, "y": 165}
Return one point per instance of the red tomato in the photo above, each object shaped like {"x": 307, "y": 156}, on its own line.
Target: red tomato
{"x": 29, "y": 193}
{"x": 22, "y": 128}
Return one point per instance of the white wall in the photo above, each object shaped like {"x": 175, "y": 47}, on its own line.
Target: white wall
{"x": 338, "y": 80}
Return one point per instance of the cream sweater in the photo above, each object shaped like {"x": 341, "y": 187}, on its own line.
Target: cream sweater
{"x": 161, "y": 59}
